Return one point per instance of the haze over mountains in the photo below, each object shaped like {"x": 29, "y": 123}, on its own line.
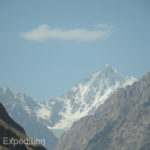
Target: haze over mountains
{"x": 58, "y": 114}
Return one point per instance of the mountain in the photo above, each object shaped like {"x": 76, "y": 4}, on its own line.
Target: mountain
{"x": 22, "y": 109}
{"x": 11, "y": 131}
{"x": 58, "y": 114}
{"x": 85, "y": 97}
{"x": 5, "y": 117}
{"x": 121, "y": 123}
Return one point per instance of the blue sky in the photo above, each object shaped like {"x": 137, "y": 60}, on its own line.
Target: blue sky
{"x": 48, "y": 46}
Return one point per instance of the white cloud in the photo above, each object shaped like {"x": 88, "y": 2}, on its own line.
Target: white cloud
{"x": 45, "y": 32}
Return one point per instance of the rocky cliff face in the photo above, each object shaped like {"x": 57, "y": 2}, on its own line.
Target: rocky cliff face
{"x": 11, "y": 132}
{"x": 121, "y": 123}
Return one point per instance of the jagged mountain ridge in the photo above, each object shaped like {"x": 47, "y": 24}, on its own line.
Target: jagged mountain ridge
{"x": 59, "y": 113}
{"x": 22, "y": 109}
{"x": 84, "y": 98}
{"x": 122, "y": 122}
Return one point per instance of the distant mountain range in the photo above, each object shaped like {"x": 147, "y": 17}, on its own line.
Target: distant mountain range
{"x": 23, "y": 110}
{"x": 58, "y": 114}
{"x": 121, "y": 123}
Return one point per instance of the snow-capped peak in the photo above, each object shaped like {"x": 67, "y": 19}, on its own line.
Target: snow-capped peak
{"x": 87, "y": 95}
{"x": 59, "y": 113}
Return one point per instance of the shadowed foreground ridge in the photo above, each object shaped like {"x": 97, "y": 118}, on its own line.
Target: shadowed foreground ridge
{"x": 5, "y": 117}
{"x": 121, "y": 123}
{"x": 11, "y": 130}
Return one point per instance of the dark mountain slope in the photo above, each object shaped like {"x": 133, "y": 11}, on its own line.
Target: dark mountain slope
{"x": 121, "y": 123}
{"x": 10, "y": 130}
{"x": 21, "y": 108}
{"x": 5, "y": 117}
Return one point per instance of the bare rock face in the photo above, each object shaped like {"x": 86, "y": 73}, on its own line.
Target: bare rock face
{"x": 11, "y": 131}
{"x": 121, "y": 123}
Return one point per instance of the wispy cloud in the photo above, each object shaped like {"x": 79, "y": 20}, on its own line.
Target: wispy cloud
{"x": 103, "y": 26}
{"x": 44, "y": 32}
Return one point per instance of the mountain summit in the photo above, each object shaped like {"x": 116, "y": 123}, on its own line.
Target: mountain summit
{"x": 85, "y": 97}
{"x": 58, "y": 114}
{"x": 121, "y": 123}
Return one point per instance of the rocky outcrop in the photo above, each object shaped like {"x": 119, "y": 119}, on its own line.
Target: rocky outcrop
{"x": 5, "y": 117}
{"x": 121, "y": 123}
{"x": 12, "y": 135}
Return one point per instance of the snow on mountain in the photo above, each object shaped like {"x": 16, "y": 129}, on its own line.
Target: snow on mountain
{"x": 24, "y": 110}
{"x": 84, "y": 98}
{"x": 58, "y": 114}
